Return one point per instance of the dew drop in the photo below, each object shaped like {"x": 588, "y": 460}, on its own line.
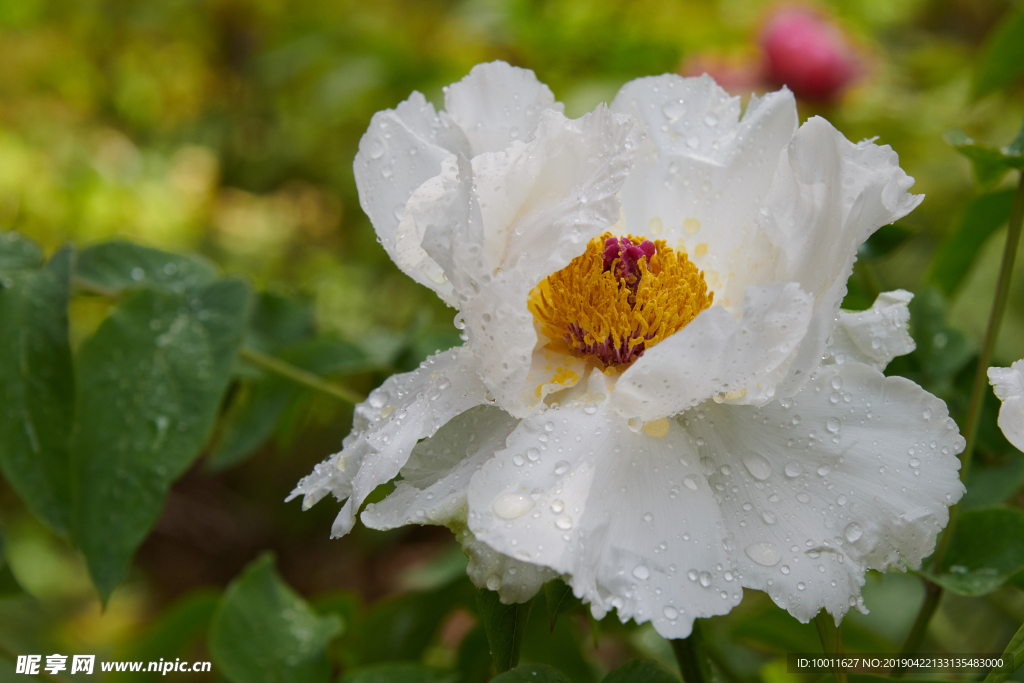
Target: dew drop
{"x": 641, "y": 572}
{"x": 692, "y": 574}
{"x": 690, "y": 482}
{"x": 670, "y": 613}
{"x": 853, "y": 532}
{"x": 532, "y": 454}
{"x": 563, "y": 522}
{"x": 561, "y": 467}
{"x": 794, "y": 469}
{"x": 832, "y": 425}
{"x": 557, "y": 505}
{"x": 705, "y": 579}
{"x": 512, "y": 505}
{"x": 768, "y": 517}
{"x": 765, "y": 554}
{"x": 757, "y": 466}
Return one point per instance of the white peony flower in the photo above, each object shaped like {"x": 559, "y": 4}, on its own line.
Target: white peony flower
{"x": 1008, "y": 383}
{"x": 659, "y": 420}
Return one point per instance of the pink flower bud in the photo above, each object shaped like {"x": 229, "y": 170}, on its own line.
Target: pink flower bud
{"x": 808, "y": 53}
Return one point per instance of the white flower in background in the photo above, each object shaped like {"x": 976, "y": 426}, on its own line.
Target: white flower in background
{"x": 1008, "y": 383}
{"x": 650, "y": 418}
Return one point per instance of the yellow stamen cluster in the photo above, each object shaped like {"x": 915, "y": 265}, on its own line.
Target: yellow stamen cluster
{"x": 615, "y": 318}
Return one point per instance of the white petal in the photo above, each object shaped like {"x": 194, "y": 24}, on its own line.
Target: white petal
{"x": 828, "y": 196}
{"x": 627, "y": 517}
{"x": 433, "y": 491}
{"x": 406, "y": 408}
{"x": 875, "y": 336}
{"x": 517, "y": 216}
{"x": 1008, "y": 384}
{"x": 703, "y": 172}
{"x": 856, "y": 471}
{"x": 437, "y": 474}
{"x": 514, "y": 581}
{"x": 401, "y": 149}
{"x": 717, "y": 355}
{"x": 496, "y": 104}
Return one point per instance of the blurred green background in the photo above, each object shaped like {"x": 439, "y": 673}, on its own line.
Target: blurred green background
{"x": 227, "y": 128}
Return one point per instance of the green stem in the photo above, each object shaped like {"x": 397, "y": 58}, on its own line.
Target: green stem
{"x": 972, "y": 419}
{"x": 299, "y": 376}
{"x": 932, "y": 596}
{"x": 980, "y": 388}
{"x": 692, "y": 655}
{"x": 831, "y": 641}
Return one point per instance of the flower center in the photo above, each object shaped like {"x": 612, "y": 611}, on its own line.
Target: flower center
{"x": 620, "y": 297}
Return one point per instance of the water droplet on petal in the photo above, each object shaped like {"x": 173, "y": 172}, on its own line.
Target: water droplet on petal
{"x": 832, "y": 425}
{"x": 705, "y": 579}
{"x": 690, "y": 482}
{"x": 512, "y": 505}
{"x": 641, "y": 572}
{"x": 557, "y": 505}
{"x": 794, "y": 469}
{"x": 853, "y": 532}
{"x": 564, "y": 522}
{"x": 757, "y": 466}
{"x": 765, "y": 554}
{"x": 561, "y": 467}
{"x": 670, "y": 612}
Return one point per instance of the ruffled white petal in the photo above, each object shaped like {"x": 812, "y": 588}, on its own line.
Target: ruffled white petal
{"x": 1008, "y": 384}
{"x": 827, "y": 197}
{"x": 406, "y": 408}
{"x": 496, "y": 104}
{"x": 627, "y": 517}
{"x": 703, "y": 172}
{"x": 514, "y": 580}
{"x": 437, "y": 474}
{"x": 875, "y": 336}
{"x": 717, "y": 355}
{"x": 856, "y": 471}
{"x": 402, "y": 148}
{"x": 515, "y": 217}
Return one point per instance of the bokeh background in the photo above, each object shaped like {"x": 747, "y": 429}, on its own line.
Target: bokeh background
{"x": 227, "y": 128}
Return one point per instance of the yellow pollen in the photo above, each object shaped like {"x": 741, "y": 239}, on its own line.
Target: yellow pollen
{"x": 616, "y": 317}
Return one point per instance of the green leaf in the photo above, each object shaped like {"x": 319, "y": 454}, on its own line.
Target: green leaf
{"x": 172, "y": 635}
{"x": 991, "y": 485}
{"x": 560, "y": 646}
{"x": 37, "y": 386}
{"x": 401, "y": 628}
{"x": 400, "y": 673}
{"x": 983, "y": 216}
{"x": 641, "y": 671}
{"x": 1015, "y": 653}
{"x": 505, "y": 626}
{"x": 279, "y": 321}
{"x": 257, "y": 410}
{"x": 264, "y": 632}
{"x": 989, "y": 164}
{"x": 474, "y": 659}
{"x": 18, "y": 252}
{"x": 532, "y": 673}
{"x": 117, "y": 266}
{"x": 941, "y": 349}
{"x": 250, "y": 422}
{"x": 558, "y": 598}
{"x": 884, "y": 241}
{"x": 149, "y": 382}
{"x": 1002, "y": 58}
{"x": 984, "y": 553}
{"x": 8, "y": 582}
